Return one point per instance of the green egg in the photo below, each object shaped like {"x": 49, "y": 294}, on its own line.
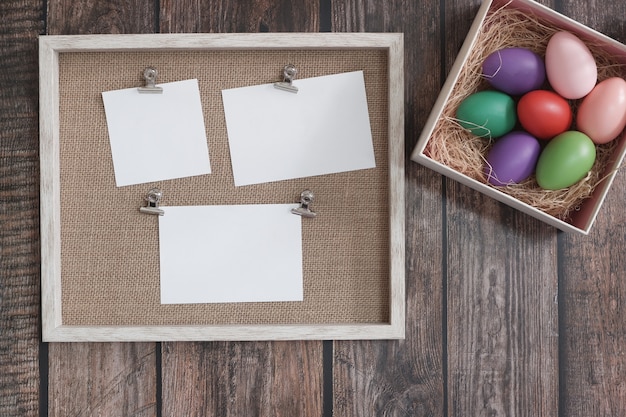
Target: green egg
{"x": 565, "y": 160}
{"x": 488, "y": 114}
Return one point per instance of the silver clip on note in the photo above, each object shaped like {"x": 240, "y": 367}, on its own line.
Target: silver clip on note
{"x": 153, "y": 198}
{"x": 289, "y": 74}
{"x": 306, "y": 199}
{"x": 150, "y": 75}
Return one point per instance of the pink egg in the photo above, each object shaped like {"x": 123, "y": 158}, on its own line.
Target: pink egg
{"x": 570, "y": 67}
{"x": 602, "y": 114}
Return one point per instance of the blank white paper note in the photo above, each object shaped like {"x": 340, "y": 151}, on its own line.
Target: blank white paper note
{"x": 277, "y": 135}
{"x": 157, "y": 137}
{"x": 229, "y": 254}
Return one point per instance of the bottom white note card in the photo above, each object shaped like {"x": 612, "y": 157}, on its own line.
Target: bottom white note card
{"x": 229, "y": 254}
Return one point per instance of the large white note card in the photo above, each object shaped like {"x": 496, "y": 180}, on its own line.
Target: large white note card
{"x": 277, "y": 135}
{"x": 229, "y": 254}
{"x": 157, "y": 137}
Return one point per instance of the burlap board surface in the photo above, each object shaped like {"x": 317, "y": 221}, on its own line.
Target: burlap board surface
{"x": 109, "y": 250}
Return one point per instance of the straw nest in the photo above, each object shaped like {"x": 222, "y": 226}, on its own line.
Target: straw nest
{"x": 456, "y": 148}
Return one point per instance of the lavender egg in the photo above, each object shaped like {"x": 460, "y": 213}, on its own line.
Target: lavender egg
{"x": 514, "y": 71}
{"x": 512, "y": 159}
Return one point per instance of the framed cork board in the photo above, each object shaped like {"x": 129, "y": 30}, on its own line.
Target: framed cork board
{"x": 100, "y": 255}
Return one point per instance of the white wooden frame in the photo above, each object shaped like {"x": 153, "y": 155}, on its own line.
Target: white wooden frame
{"x": 52, "y": 322}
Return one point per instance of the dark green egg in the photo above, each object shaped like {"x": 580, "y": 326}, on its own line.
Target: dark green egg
{"x": 488, "y": 114}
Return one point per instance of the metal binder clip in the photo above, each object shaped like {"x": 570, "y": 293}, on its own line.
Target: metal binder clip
{"x": 289, "y": 74}
{"x": 150, "y": 75}
{"x": 306, "y": 199}
{"x": 153, "y": 198}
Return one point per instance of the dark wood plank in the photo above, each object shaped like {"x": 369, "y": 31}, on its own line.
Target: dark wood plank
{"x": 403, "y": 378}
{"x": 593, "y": 305}
{"x": 502, "y": 309}
{"x": 242, "y": 379}
{"x": 255, "y": 378}
{"x": 20, "y": 25}
{"x": 224, "y": 16}
{"x": 102, "y": 379}
{"x": 593, "y": 311}
{"x": 106, "y": 16}
{"x": 592, "y": 281}
{"x": 502, "y": 327}
{"x": 112, "y": 379}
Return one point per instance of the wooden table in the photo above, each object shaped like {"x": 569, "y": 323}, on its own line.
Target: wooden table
{"x": 505, "y": 315}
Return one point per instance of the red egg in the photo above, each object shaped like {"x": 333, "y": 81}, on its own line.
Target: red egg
{"x": 544, "y": 114}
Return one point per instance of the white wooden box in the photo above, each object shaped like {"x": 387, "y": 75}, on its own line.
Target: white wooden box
{"x": 583, "y": 217}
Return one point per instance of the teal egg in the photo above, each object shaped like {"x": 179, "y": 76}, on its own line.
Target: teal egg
{"x": 488, "y": 114}
{"x": 565, "y": 160}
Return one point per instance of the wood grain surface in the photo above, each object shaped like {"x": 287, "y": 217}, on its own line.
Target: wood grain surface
{"x": 505, "y": 315}
{"x": 102, "y": 379}
{"x": 20, "y": 23}
{"x": 224, "y": 16}
{"x": 403, "y": 378}
{"x": 113, "y": 379}
{"x": 242, "y": 379}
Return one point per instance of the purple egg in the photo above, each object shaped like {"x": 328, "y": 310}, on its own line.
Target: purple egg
{"x": 512, "y": 158}
{"x": 514, "y": 71}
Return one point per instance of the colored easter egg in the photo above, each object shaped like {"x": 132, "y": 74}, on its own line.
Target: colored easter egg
{"x": 544, "y": 114}
{"x": 565, "y": 160}
{"x": 602, "y": 114}
{"x": 512, "y": 158}
{"x": 570, "y": 66}
{"x": 487, "y": 113}
{"x": 514, "y": 71}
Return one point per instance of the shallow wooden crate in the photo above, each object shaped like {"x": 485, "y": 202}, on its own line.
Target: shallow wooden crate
{"x": 578, "y": 218}
{"x": 100, "y": 273}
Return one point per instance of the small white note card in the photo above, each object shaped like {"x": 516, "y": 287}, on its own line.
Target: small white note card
{"x": 157, "y": 137}
{"x": 277, "y": 135}
{"x": 230, "y": 254}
